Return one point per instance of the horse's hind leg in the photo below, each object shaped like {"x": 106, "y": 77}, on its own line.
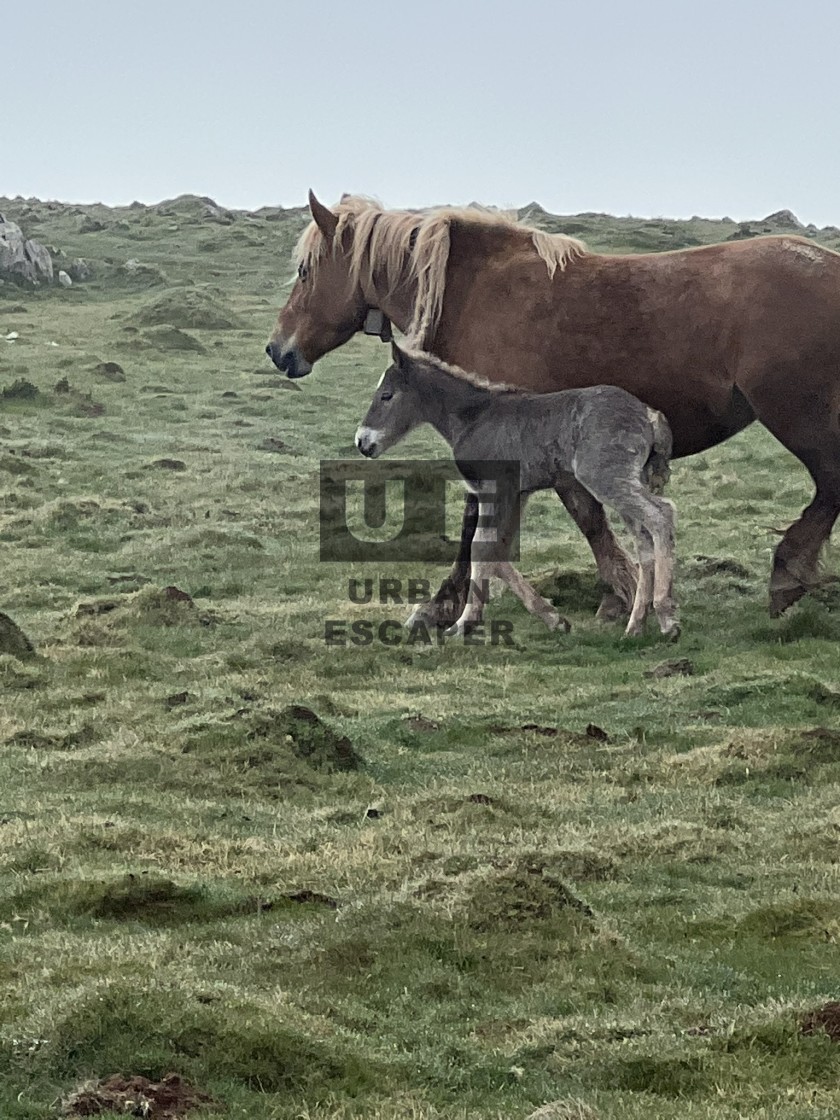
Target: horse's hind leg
{"x": 796, "y": 559}
{"x": 807, "y": 425}
{"x": 614, "y": 565}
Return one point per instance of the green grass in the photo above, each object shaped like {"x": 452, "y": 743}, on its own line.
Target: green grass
{"x": 446, "y": 899}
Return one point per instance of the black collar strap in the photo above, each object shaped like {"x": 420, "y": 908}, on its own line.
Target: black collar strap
{"x": 377, "y": 323}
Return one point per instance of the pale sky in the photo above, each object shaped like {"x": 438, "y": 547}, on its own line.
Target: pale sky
{"x": 642, "y": 107}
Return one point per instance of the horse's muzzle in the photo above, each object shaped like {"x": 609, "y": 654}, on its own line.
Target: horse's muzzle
{"x": 288, "y": 361}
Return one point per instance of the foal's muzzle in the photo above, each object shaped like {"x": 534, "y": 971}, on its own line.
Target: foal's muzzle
{"x": 367, "y": 442}
{"x": 288, "y": 361}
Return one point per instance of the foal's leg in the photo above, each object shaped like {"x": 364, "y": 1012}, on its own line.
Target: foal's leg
{"x": 613, "y": 474}
{"x": 656, "y": 517}
{"x": 530, "y": 597}
{"x": 614, "y": 565}
{"x": 663, "y": 588}
{"x": 450, "y": 600}
{"x": 486, "y": 562}
{"x": 644, "y": 588}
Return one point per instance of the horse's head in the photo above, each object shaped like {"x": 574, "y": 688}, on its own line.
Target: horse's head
{"x": 326, "y": 306}
{"x": 394, "y": 411}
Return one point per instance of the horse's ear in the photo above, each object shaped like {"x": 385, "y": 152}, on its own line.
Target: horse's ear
{"x": 325, "y": 220}
{"x": 397, "y": 355}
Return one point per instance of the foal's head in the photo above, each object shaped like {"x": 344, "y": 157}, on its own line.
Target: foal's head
{"x": 395, "y": 410}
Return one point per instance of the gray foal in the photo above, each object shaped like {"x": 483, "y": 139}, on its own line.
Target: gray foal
{"x": 613, "y": 444}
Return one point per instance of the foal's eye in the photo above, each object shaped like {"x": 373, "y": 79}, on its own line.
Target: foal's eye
{"x": 386, "y": 396}
{"x": 303, "y": 271}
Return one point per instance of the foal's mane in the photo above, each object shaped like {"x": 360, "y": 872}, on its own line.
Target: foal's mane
{"x": 477, "y": 380}
{"x": 380, "y": 242}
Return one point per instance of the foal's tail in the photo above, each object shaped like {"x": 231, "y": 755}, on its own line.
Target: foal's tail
{"x": 657, "y": 469}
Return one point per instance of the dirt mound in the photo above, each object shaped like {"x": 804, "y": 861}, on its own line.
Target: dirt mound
{"x": 717, "y": 566}
{"x": 150, "y": 606}
{"x": 168, "y": 465}
{"x": 569, "y": 1109}
{"x": 14, "y": 676}
{"x": 825, "y": 1020}
{"x": 138, "y": 276}
{"x": 571, "y": 591}
{"x": 171, "y": 338}
{"x": 163, "y": 606}
{"x": 109, "y": 371}
{"x": 168, "y": 1099}
{"x": 676, "y": 667}
{"x": 13, "y": 640}
{"x": 20, "y": 390}
{"x": 61, "y": 740}
{"x": 311, "y": 740}
{"x": 526, "y": 892}
{"x": 191, "y": 308}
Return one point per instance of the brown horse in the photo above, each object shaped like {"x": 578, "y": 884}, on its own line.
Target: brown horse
{"x": 714, "y": 337}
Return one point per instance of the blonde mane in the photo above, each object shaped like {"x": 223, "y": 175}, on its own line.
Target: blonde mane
{"x": 382, "y": 241}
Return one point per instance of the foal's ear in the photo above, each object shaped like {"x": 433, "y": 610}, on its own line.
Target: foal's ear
{"x": 325, "y": 220}
{"x": 397, "y": 356}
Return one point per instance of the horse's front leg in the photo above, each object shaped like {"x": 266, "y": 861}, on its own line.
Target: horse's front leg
{"x": 614, "y": 565}
{"x": 448, "y": 604}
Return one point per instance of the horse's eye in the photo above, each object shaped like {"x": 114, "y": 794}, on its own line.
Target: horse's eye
{"x": 303, "y": 271}
{"x": 386, "y": 396}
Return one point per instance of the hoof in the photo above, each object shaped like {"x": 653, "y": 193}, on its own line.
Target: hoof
{"x": 783, "y": 597}
{"x": 557, "y": 622}
{"x": 612, "y": 609}
{"x": 634, "y": 632}
{"x": 432, "y": 615}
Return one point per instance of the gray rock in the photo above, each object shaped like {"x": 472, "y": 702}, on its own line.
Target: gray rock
{"x": 78, "y": 270}
{"x": 90, "y": 225}
{"x": 64, "y": 280}
{"x": 22, "y": 261}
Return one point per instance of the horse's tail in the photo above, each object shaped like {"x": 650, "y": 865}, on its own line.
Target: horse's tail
{"x": 657, "y": 469}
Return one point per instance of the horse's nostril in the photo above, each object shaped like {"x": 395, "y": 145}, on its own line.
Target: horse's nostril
{"x": 268, "y": 349}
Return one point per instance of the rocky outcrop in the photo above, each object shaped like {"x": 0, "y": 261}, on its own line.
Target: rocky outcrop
{"x": 783, "y": 221}
{"x": 22, "y": 261}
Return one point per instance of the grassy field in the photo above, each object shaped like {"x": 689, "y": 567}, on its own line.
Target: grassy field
{"x": 574, "y": 879}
